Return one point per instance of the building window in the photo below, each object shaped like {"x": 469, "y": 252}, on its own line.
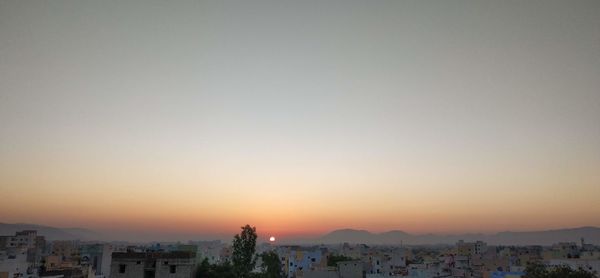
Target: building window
{"x": 173, "y": 269}
{"x": 138, "y": 262}
{"x": 122, "y": 268}
{"x": 149, "y": 273}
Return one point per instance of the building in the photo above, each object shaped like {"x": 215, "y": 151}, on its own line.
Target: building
{"x": 13, "y": 263}
{"x": 25, "y": 240}
{"x": 72, "y": 272}
{"x": 209, "y": 250}
{"x": 503, "y": 274}
{"x": 152, "y": 265}
{"x": 324, "y": 272}
{"x": 566, "y": 250}
{"x": 470, "y": 248}
{"x": 67, "y": 250}
{"x": 296, "y": 258}
{"x": 351, "y": 269}
{"x": 97, "y": 257}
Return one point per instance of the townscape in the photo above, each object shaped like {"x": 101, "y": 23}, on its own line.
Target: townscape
{"x": 299, "y": 139}
{"x": 26, "y": 254}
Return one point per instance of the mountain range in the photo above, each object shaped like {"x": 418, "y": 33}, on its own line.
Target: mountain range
{"x": 51, "y": 233}
{"x": 545, "y": 237}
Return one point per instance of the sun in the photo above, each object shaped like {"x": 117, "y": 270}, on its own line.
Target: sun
{"x": 272, "y": 239}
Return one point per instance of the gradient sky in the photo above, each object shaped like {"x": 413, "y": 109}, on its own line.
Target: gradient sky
{"x": 195, "y": 117}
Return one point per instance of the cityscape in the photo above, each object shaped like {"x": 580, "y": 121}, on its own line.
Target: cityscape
{"x": 299, "y": 138}
{"x": 29, "y": 254}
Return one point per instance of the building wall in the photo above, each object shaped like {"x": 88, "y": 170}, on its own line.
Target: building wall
{"x": 211, "y": 250}
{"x": 183, "y": 268}
{"x": 319, "y": 274}
{"x": 132, "y": 268}
{"x": 153, "y": 266}
{"x": 350, "y": 269}
{"x": 106, "y": 260}
{"x": 14, "y": 264}
{"x": 98, "y": 257}
{"x": 66, "y": 249}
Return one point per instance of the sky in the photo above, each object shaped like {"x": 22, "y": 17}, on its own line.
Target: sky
{"x": 300, "y": 117}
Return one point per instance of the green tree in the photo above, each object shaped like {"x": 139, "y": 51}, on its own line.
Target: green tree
{"x": 332, "y": 260}
{"x": 203, "y": 269}
{"x": 535, "y": 270}
{"x": 224, "y": 270}
{"x": 244, "y": 247}
{"x": 207, "y": 270}
{"x": 538, "y": 270}
{"x": 271, "y": 265}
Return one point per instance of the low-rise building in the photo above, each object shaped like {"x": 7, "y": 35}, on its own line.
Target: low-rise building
{"x": 351, "y": 269}
{"x": 153, "y": 265}
{"x": 13, "y": 263}
{"x": 97, "y": 257}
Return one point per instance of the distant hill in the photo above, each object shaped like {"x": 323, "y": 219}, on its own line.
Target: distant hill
{"x": 348, "y": 235}
{"x": 146, "y": 236}
{"x": 548, "y": 237}
{"x": 51, "y": 233}
{"x": 590, "y": 234}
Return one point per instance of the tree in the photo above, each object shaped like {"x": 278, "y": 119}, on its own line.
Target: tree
{"x": 332, "y": 260}
{"x": 224, "y": 270}
{"x": 271, "y": 265}
{"x": 538, "y": 270}
{"x": 207, "y": 270}
{"x": 203, "y": 270}
{"x": 244, "y": 247}
{"x": 535, "y": 270}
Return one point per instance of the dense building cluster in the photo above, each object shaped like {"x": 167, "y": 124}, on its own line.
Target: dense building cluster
{"x": 28, "y": 255}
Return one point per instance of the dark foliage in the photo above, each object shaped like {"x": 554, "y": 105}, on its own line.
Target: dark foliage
{"x": 332, "y": 260}
{"x": 271, "y": 265}
{"x": 207, "y": 270}
{"x": 244, "y": 247}
{"x": 537, "y": 270}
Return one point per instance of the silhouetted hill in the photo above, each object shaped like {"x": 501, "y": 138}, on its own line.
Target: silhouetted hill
{"x": 347, "y": 235}
{"x": 548, "y": 237}
{"x": 590, "y": 234}
{"x": 51, "y": 233}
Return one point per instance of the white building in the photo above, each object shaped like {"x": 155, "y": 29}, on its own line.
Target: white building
{"x": 14, "y": 264}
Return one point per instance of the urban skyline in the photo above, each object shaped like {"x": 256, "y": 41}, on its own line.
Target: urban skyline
{"x": 299, "y": 139}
